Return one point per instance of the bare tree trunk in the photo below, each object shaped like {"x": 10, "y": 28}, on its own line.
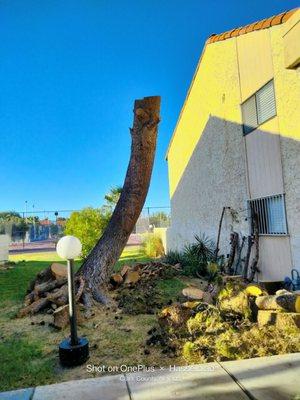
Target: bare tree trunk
{"x": 239, "y": 256}
{"x": 219, "y": 233}
{"x": 234, "y": 238}
{"x": 247, "y": 259}
{"x": 97, "y": 268}
{"x": 253, "y": 268}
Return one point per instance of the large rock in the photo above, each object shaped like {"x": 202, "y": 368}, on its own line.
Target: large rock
{"x": 255, "y": 290}
{"x": 266, "y": 317}
{"x": 193, "y": 293}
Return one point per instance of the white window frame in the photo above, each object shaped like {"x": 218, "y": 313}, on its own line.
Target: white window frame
{"x": 247, "y": 128}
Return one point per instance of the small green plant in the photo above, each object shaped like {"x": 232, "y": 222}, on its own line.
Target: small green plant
{"x": 197, "y": 256}
{"x": 152, "y": 245}
{"x": 173, "y": 257}
{"x": 212, "y": 271}
{"x": 197, "y": 259}
{"x": 204, "y": 247}
{"x": 192, "y": 263}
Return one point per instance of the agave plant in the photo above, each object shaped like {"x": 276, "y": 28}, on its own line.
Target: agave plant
{"x": 173, "y": 257}
{"x": 204, "y": 248}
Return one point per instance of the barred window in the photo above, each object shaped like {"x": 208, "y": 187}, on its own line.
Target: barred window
{"x": 271, "y": 214}
{"x": 259, "y": 108}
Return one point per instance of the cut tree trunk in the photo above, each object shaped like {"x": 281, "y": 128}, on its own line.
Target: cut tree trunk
{"x": 288, "y": 302}
{"x": 97, "y": 268}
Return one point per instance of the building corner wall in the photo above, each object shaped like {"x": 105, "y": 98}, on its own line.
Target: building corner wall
{"x": 209, "y": 172}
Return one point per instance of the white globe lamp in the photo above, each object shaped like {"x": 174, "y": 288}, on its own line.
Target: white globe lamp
{"x": 69, "y": 247}
{"x": 74, "y": 350}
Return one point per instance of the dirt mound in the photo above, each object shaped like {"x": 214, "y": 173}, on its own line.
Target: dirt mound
{"x": 137, "y": 292}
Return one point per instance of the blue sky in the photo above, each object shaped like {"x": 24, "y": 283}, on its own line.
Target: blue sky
{"x": 70, "y": 71}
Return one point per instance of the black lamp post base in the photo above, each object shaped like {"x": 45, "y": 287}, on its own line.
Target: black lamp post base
{"x": 70, "y": 356}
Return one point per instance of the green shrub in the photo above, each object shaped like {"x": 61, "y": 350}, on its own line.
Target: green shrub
{"x": 192, "y": 264}
{"x": 88, "y": 225}
{"x": 197, "y": 259}
{"x": 204, "y": 247}
{"x": 212, "y": 271}
{"x": 173, "y": 257}
{"x": 197, "y": 255}
{"x": 152, "y": 245}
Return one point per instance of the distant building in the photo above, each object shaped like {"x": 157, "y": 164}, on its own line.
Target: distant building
{"x": 237, "y": 143}
{"x": 4, "y": 245}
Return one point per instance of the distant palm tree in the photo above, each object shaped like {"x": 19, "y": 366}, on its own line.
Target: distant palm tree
{"x": 113, "y": 196}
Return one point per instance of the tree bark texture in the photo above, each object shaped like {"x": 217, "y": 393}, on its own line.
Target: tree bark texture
{"x": 253, "y": 268}
{"x": 97, "y": 268}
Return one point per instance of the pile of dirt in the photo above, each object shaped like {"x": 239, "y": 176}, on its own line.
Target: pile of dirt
{"x": 230, "y": 328}
{"x": 135, "y": 287}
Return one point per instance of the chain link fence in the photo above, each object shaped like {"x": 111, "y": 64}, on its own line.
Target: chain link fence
{"x": 40, "y": 230}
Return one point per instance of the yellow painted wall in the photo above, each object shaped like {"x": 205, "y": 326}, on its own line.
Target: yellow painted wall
{"x": 291, "y": 39}
{"x": 214, "y": 92}
{"x": 287, "y": 84}
{"x": 255, "y": 61}
{"x": 228, "y": 73}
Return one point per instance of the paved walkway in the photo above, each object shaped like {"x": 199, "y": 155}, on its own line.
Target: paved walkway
{"x": 266, "y": 378}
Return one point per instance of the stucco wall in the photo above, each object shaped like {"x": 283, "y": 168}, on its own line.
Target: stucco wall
{"x": 287, "y": 86}
{"x": 214, "y": 178}
{"x": 207, "y": 157}
{"x": 207, "y": 166}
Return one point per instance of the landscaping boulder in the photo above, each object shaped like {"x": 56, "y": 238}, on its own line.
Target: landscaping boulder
{"x": 193, "y": 293}
{"x": 191, "y": 304}
{"x": 236, "y": 304}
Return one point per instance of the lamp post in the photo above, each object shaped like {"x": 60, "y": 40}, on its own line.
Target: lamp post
{"x": 74, "y": 350}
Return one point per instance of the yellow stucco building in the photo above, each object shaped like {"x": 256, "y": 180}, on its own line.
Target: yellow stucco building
{"x": 237, "y": 143}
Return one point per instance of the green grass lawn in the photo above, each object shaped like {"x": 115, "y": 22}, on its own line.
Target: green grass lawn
{"x": 14, "y": 282}
{"x": 29, "y": 347}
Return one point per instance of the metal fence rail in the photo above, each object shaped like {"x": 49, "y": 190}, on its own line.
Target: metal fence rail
{"x": 40, "y": 229}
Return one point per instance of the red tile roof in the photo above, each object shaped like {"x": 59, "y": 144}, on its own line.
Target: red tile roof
{"x": 45, "y": 222}
{"x": 255, "y": 26}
